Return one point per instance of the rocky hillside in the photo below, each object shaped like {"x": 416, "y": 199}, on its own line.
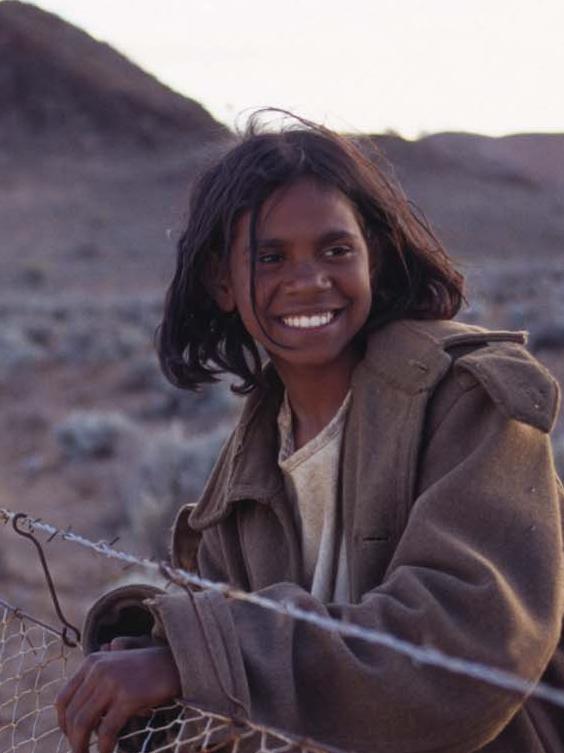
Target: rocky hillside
{"x": 60, "y": 86}
{"x": 488, "y": 197}
{"x": 99, "y": 153}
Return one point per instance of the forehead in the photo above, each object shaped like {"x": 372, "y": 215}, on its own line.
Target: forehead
{"x": 301, "y": 209}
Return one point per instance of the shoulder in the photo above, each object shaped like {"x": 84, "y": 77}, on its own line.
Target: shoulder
{"x": 409, "y": 338}
{"x": 447, "y": 359}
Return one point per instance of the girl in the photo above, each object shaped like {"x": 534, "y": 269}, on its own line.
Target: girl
{"x": 391, "y": 468}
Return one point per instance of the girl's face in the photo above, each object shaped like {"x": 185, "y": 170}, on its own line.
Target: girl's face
{"x": 313, "y": 271}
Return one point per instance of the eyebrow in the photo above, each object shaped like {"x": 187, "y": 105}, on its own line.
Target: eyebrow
{"x": 329, "y": 236}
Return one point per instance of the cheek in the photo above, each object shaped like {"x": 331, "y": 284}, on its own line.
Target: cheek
{"x": 264, "y": 286}
{"x": 244, "y": 304}
{"x": 241, "y": 284}
{"x": 364, "y": 280}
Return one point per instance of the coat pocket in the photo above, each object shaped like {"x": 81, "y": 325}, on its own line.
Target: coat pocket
{"x": 374, "y": 551}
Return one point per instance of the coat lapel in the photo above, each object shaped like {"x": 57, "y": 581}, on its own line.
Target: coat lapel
{"x": 390, "y": 392}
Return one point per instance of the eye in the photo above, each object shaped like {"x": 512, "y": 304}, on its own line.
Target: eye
{"x": 272, "y": 257}
{"x": 336, "y": 251}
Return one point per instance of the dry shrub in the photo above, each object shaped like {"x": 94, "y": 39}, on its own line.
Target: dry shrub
{"x": 17, "y": 351}
{"x": 170, "y": 471}
{"x": 91, "y": 434}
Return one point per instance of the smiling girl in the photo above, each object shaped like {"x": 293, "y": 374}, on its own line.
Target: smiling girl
{"x": 391, "y": 468}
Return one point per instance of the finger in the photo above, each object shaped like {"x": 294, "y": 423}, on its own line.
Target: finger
{"x": 109, "y": 729}
{"x": 82, "y": 699}
{"x": 87, "y": 705}
{"x": 122, "y": 643}
{"x": 126, "y": 642}
{"x": 65, "y": 695}
{"x": 83, "y": 720}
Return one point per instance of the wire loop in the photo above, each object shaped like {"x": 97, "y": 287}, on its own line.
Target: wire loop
{"x": 21, "y": 516}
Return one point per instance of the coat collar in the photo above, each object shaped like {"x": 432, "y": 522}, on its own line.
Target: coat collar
{"x": 248, "y": 468}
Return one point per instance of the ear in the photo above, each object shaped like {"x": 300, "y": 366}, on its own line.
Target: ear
{"x": 219, "y": 286}
{"x": 223, "y": 296}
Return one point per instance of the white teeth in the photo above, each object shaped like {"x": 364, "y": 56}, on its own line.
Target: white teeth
{"x": 305, "y": 322}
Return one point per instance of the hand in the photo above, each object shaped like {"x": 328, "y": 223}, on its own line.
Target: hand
{"x": 111, "y": 687}
{"x": 128, "y": 641}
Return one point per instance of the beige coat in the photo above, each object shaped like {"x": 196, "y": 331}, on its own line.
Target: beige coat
{"x": 452, "y": 514}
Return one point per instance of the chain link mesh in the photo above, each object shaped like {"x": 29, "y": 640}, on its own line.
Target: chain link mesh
{"x": 34, "y": 665}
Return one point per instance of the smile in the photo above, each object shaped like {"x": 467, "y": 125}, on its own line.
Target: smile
{"x": 309, "y": 322}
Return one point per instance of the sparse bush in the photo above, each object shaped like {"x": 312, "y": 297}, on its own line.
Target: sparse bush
{"x": 61, "y": 313}
{"x": 39, "y": 334}
{"x": 33, "y": 464}
{"x": 86, "y": 250}
{"x": 213, "y": 402}
{"x": 89, "y": 341}
{"x": 91, "y": 434}
{"x": 143, "y": 373}
{"x": 144, "y": 313}
{"x": 33, "y": 275}
{"x": 16, "y": 350}
{"x": 549, "y": 336}
{"x": 171, "y": 470}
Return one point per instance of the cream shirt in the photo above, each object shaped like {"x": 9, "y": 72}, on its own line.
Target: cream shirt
{"x": 311, "y": 478}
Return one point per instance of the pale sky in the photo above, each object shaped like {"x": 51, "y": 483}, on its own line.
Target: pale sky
{"x": 414, "y": 66}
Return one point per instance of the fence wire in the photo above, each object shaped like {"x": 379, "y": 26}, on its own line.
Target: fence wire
{"x": 34, "y": 664}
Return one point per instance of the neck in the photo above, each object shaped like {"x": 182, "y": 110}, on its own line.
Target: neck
{"x": 315, "y": 395}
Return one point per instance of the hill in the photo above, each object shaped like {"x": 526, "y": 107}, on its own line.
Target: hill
{"x": 488, "y": 197}
{"x": 60, "y": 86}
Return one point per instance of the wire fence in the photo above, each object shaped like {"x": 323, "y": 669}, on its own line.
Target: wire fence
{"x": 35, "y": 663}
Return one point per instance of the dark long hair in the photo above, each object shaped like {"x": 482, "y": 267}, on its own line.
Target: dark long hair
{"x": 416, "y": 278}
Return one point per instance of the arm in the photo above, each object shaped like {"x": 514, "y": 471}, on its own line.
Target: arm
{"x": 477, "y": 574}
{"x": 128, "y": 666}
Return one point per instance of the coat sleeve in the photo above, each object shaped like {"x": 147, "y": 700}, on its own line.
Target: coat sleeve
{"x": 119, "y": 612}
{"x": 477, "y": 574}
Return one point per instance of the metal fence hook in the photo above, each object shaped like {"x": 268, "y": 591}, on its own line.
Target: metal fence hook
{"x": 21, "y": 516}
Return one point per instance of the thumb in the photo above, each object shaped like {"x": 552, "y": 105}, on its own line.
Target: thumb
{"x": 125, "y": 642}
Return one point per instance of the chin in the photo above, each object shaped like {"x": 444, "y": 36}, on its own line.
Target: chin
{"x": 309, "y": 358}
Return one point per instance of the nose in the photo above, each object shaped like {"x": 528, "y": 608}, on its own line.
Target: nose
{"x": 307, "y": 276}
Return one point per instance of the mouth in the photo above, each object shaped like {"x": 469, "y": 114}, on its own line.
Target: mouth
{"x": 311, "y": 321}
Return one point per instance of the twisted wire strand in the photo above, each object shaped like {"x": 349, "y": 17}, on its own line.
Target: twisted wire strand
{"x": 20, "y": 614}
{"x": 426, "y": 655}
